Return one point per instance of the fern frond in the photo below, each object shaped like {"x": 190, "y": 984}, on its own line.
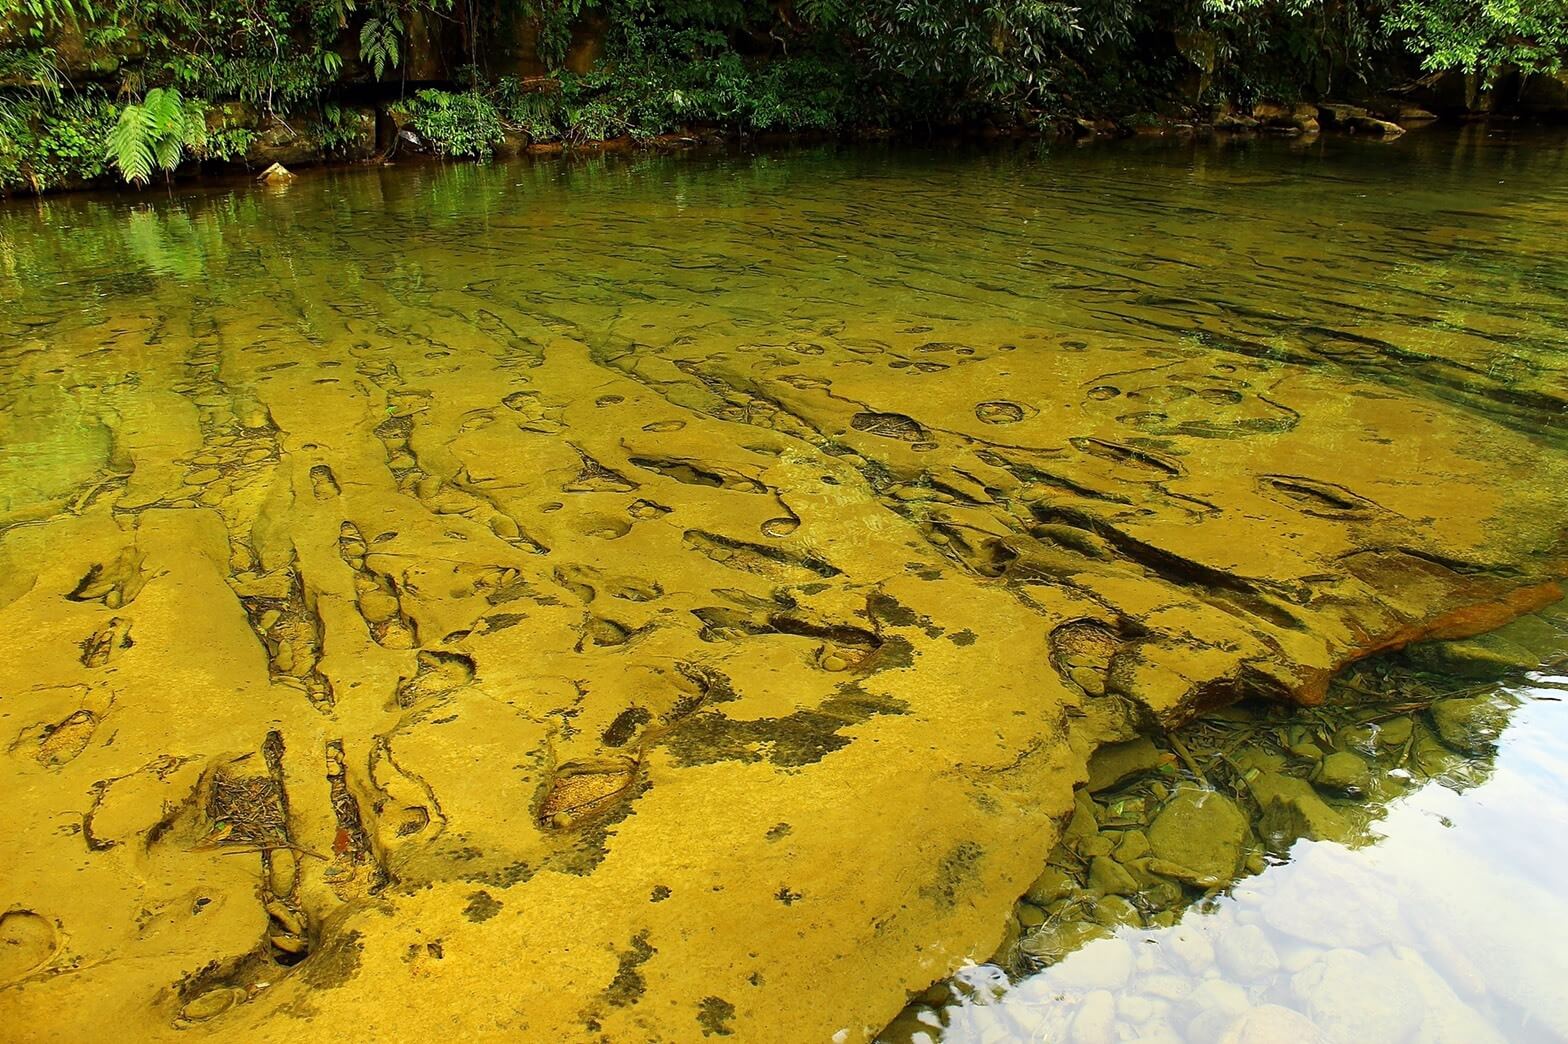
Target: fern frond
{"x": 130, "y": 144}
{"x": 821, "y": 12}
{"x": 193, "y": 127}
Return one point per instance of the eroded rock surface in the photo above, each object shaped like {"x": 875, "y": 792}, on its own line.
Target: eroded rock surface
{"x": 409, "y": 655}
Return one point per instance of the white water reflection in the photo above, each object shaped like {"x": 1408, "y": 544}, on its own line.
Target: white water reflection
{"x": 1449, "y": 929}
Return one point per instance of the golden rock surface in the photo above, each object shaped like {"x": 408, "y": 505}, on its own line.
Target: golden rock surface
{"x": 470, "y": 680}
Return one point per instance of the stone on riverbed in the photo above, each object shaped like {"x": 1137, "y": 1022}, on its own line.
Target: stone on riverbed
{"x": 1486, "y": 658}
{"x": 1343, "y": 773}
{"x": 1198, "y": 838}
{"x": 1245, "y": 953}
{"x": 1119, "y": 762}
{"x": 1353, "y": 997}
{"x": 1272, "y": 1024}
{"x": 1291, "y": 809}
{"x": 1108, "y": 877}
{"x": 1469, "y": 724}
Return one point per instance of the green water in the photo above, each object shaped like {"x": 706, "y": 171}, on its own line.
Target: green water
{"x": 1434, "y": 261}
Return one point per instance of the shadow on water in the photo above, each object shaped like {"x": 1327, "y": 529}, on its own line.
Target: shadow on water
{"x": 1371, "y": 869}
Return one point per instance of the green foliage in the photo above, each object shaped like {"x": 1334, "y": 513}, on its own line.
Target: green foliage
{"x": 157, "y": 134}
{"x": 1531, "y": 35}
{"x": 1473, "y": 35}
{"x": 457, "y": 124}
{"x": 669, "y": 65}
{"x": 46, "y": 141}
{"x": 378, "y": 42}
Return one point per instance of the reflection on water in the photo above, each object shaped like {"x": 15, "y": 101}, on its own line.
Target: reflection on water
{"x": 1400, "y": 888}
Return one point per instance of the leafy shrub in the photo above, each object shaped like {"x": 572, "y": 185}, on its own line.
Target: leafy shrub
{"x": 46, "y": 141}
{"x": 457, "y": 124}
{"x": 157, "y": 133}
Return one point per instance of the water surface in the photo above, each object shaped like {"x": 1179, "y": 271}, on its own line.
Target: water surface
{"x": 702, "y": 578}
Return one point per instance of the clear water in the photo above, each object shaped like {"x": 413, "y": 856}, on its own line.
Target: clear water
{"x": 622, "y": 542}
{"x": 1435, "y": 927}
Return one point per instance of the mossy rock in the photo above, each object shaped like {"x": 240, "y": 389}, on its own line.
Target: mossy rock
{"x": 1470, "y": 724}
{"x": 1292, "y": 809}
{"x": 1198, "y": 837}
{"x": 1343, "y": 773}
{"x": 1119, "y": 762}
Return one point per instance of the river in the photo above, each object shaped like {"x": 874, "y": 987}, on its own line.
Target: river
{"x": 677, "y": 596}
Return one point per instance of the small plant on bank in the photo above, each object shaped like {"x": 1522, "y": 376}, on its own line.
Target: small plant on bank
{"x": 457, "y": 124}
{"x": 157, "y": 133}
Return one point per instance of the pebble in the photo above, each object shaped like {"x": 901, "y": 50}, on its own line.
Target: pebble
{"x": 1469, "y": 724}
{"x": 1245, "y": 954}
{"x": 287, "y": 919}
{"x": 1216, "y": 996}
{"x": 1113, "y": 910}
{"x": 1271, "y": 1024}
{"x": 1166, "y": 986}
{"x": 1095, "y": 1022}
{"x": 1091, "y": 681}
{"x": 1135, "y": 1008}
{"x": 288, "y": 943}
{"x": 1198, "y": 837}
{"x": 1030, "y": 916}
{"x": 1159, "y": 1033}
{"x": 1108, "y": 877}
{"x": 1189, "y": 948}
{"x": 1351, "y": 996}
{"x": 1344, "y": 773}
{"x": 1095, "y": 845}
{"x": 378, "y": 606}
{"x": 1050, "y": 886}
{"x": 1134, "y": 845}
{"x": 1394, "y": 733}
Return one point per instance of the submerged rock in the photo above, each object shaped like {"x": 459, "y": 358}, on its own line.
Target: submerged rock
{"x": 1105, "y": 964}
{"x": 1272, "y": 1024}
{"x": 1118, "y": 762}
{"x": 1052, "y": 942}
{"x": 1344, "y": 773}
{"x": 1325, "y": 902}
{"x": 1291, "y": 809}
{"x": 1353, "y": 997}
{"x": 1108, "y": 877}
{"x": 1198, "y": 837}
{"x": 1469, "y": 724}
{"x": 1095, "y": 1021}
{"x": 1486, "y": 658}
{"x": 1245, "y": 953}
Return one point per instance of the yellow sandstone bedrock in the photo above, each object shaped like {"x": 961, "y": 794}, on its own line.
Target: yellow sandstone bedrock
{"x": 675, "y": 777}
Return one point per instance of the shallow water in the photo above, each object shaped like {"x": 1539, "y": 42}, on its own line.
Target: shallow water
{"x": 1425, "y": 924}
{"x": 702, "y": 578}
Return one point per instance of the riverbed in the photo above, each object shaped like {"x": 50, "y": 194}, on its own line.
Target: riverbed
{"x": 680, "y": 596}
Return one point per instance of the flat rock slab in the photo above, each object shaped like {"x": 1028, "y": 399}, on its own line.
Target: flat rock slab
{"x": 390, "y": 670}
